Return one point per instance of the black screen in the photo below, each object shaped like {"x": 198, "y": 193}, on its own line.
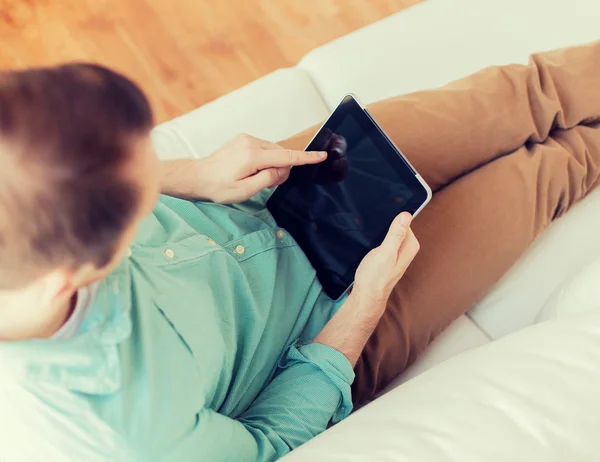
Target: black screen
{"x": 340, "y": 209}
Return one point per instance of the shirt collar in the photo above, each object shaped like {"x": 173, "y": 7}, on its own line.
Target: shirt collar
{"x": 84, "y": 298}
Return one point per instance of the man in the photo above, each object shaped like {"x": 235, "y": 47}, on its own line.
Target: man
{"x": 190, "y": 330}
{"x": 197, "y": 341}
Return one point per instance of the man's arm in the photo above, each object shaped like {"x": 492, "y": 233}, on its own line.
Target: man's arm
{"x": 377, "y": 275}
{"x": 351, "y": 327}
{"x": 234, "y": 173}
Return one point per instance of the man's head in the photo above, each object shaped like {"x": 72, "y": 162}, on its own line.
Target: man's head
{"x": 77, "y": 174}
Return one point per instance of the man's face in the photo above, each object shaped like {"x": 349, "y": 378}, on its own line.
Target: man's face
{"x": 144, "y": 170}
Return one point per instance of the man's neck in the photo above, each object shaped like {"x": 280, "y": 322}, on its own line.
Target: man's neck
{"x": 12, "y": 329}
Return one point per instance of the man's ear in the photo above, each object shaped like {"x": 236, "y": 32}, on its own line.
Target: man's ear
{"x": 74, "y": 279}
{"x": 56, "y": 285}
{"x": 61, "y": 283}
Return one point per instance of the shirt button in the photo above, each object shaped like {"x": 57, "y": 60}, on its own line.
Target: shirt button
{"x": 169, "y": 254}
{"x": 280, "y": 234}
{"x": 240, "y": 249}
{"x": 211, "y": 242}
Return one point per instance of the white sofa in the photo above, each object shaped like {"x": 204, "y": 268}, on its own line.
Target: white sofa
{"x": 531, "y": 396}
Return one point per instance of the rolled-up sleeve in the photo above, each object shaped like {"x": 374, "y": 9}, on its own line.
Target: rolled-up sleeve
{"x": 311, "y": 389}
{"x": 330, "y": 362}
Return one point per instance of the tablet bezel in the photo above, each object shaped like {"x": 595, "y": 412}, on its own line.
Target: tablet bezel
{"x": 421, "y": 192}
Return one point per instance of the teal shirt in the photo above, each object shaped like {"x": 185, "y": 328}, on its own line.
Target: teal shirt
{"x": 197, "y": 348}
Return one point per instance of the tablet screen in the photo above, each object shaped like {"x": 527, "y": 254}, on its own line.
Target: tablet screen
{"x": 340, "y": 209}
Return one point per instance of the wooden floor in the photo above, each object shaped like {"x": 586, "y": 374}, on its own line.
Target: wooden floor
{"x": 183, "y": 52}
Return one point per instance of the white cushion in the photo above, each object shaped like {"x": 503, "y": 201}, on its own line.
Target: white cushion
{"x": 275, "y": 107}
{"x": 438, "y": 41}
{"x": 578, "y": 295}
{"x": 531, "y": 396}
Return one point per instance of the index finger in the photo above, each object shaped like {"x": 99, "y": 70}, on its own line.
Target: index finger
{"x": 288, "y": 158}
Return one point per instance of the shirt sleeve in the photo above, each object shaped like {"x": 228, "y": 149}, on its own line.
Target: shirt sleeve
{"x": 51, "y": 424}
{"x": 311, "y": 389}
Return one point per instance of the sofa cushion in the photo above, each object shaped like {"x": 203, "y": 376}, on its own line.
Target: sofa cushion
{"x": 531, "y": 396}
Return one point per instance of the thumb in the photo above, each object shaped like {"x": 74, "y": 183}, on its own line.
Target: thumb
{"x": 397, "y": 232}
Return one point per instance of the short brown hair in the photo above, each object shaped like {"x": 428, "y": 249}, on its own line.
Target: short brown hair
{"x": 65, "y": 134}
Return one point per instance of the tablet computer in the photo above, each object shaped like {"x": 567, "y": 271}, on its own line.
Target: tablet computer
{"x": 340, "y": 209}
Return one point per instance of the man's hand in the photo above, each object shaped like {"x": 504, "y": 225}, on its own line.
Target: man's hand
{"x": 378, "y": 273}
{"x": 236, "y": 172}
{"x": 382, "y": 268}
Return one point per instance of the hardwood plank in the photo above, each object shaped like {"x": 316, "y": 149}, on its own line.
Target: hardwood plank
{"x": 184, "y": 53}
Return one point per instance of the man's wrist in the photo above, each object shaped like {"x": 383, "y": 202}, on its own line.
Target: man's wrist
{"x": 183, "y": 178}
{"x": 350, "y": 328}
{"x": 371, "y": 299}
{"x": 366, "y": 307}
